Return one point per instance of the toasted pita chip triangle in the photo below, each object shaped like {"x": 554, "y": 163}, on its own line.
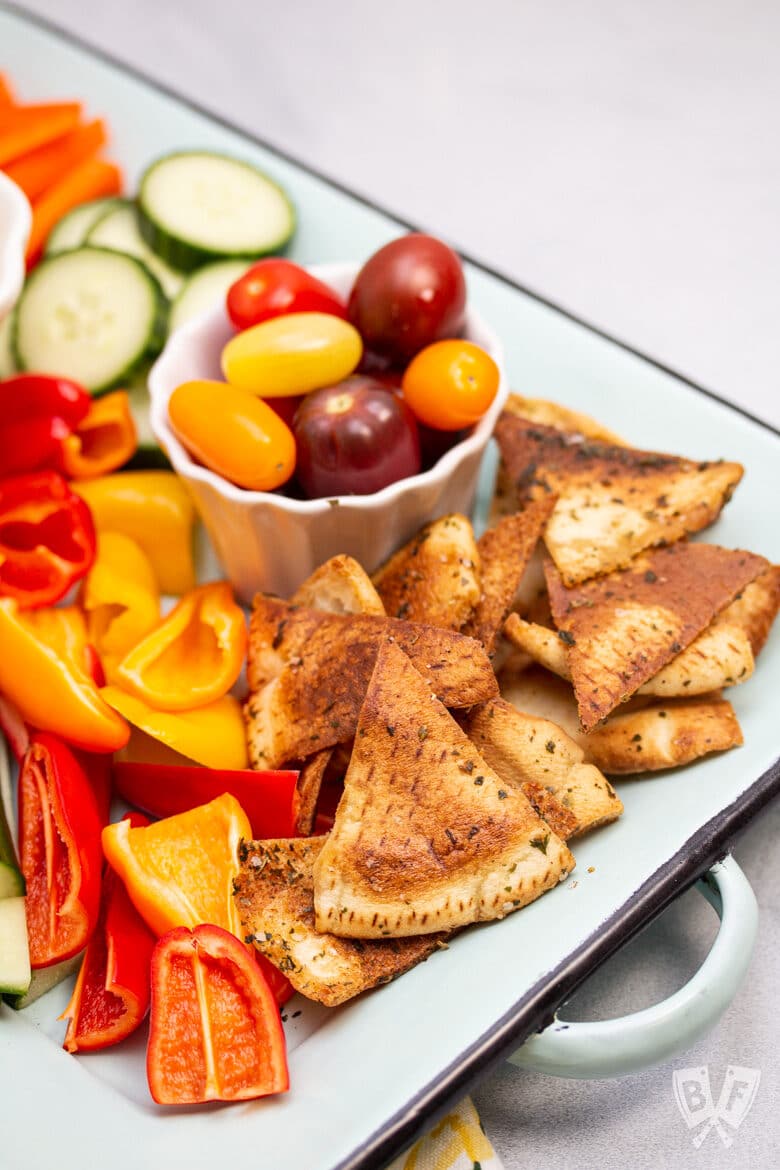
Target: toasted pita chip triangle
{"x": 669, "y": 733}
{"x": 613, "y": 502}
{"x": 275, "y": 899}
{"x": 505, "y": 552}
{"x": 435, "y": 577}
{"x": 563, "y": 418}
{"x": 756, "y": 608}
{"x": 323, "y": 663}
{"x": 665, "y": 735}
{"x": 622, "y": 629}
{"x": 426, "y": 837}
{"x": 312, "y": 773}
{"x": 341, "y": 585}
{"x": 720, "y": 656}
{"x": 525, "y": 749}
{"x": 561, "y": 820}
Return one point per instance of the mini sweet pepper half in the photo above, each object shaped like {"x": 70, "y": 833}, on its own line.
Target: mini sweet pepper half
{"x": 153, "y": 509}
{"x": 120, "y": 597}
{"x": 193, "y": 656}
{"x": 59, "y": 851}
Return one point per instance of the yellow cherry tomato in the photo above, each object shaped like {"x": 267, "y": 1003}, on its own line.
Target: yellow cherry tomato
{"x": 292, "y": 354}
{"x": 450, "y": 384}
{"x": 233, "y": 433}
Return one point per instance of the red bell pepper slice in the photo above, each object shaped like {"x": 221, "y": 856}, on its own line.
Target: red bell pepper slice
{"x": 47, "y": 538}
{"x": 59, "y": 851}
{"x": 112, "y": 992}
{"x": 26, "y": 396}
{"x": 31, "y": 443}
{"x": 269, "y": 799}
{"x": 214, "y": 1030}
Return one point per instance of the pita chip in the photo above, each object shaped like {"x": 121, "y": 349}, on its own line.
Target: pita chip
{"x": 563, "y": 418}
{"x": 341, "y": 585}
{"x": 613, "y": 502}
{"x": 531, "y": 753}
{"x": 621, "y": 629}
{"x": 312, "y": 773}
{"x": 721, "y": 656}
{"x": 426, "y": 837}
{"x": 755, "y": 610}
{"x": 652, "y": 735}
{"x": 504, "y": 552}
{"x": 308, "y": 672}
{"x": 435, "y": 577}
{"x": 275, "y": 899}
{"x": 665, "y": 735}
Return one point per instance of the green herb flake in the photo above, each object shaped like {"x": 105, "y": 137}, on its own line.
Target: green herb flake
{"x": 541, "y": 843}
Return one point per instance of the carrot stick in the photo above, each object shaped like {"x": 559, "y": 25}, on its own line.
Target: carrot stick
{"x": 88, "y": 180}
{"x": 28, "y": 127}
{"x": 37, "y": 171}
{"x": 6, "y": 93}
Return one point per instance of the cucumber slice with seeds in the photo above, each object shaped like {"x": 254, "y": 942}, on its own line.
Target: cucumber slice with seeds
{"x": 90, "y": 314}
{"x": 196, "y": 206}
{"x": 71, "y": 231}
{"x": 118, "y": 229}
{"x": 205, "y": 289}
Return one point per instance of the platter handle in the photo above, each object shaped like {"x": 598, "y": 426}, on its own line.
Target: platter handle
{"x": 615, "y": 1048}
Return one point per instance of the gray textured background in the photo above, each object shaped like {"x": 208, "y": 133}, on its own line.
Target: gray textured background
{"x": 623, "y": 159}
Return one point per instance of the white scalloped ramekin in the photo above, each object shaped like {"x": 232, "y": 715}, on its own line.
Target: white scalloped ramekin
{"x": 272, "y": 543}
{"x": 15, "y": 220}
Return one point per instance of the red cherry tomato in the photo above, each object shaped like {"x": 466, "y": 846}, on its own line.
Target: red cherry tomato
{"x": 273, "y": 288}
{"x": 409, "y": 294}
{"x": 354, "y": 439}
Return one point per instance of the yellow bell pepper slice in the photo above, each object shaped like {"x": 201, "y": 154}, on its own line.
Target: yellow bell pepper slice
{"x": 153, "y": 509}
{"x": 193, "y": 656}
{"x": 213, "y": 735}
{"x": 120, "y": 598}
{"x": 47, "y": 684}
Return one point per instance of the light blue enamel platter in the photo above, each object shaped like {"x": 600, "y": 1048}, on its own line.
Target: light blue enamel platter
{"x": 367, "y": 1077}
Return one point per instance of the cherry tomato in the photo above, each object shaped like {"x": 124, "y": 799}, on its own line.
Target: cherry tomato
{"x": 292, "y": 354}
{"x": 234, "y": 433}
{"x": 354, "y": 439}
{"x": 407, "y": 295}
{"x": 274, "y": 287}
{"x": 285, "y": 407}
{"x": 450, "y": 384}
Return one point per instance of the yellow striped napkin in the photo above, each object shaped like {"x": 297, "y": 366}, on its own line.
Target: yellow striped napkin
{"x": 456, "y": 1143}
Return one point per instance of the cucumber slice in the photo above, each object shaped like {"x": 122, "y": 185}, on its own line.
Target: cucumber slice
{"x": 11, "y": 880}
{"x": 205, "y": 289}
{"x": 118, "y": 229}
{"x": 90, "y": 314}
{"x": 195, "y": 206}
{"x": 43, "y": 980}
{"x": 71, "y": 230}
{"x": 15, "y": 973}
{"x": 7, "y": 363}
{"x": 149, "y": 453}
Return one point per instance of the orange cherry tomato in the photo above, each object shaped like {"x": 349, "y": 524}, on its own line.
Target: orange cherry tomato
{"x": 233, "y": 433}
{"x": 450, "y": 384}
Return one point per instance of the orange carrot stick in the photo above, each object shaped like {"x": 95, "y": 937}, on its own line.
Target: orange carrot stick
{"x": 25, "y": 128}
{"x": 40, "y": 169}
{"x": 88, "y": 180}
{"x": 6, "y": 93}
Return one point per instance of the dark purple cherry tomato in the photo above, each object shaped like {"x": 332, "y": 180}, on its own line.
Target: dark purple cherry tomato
{"x": 407, "y": 295}
{"x": 285, "y": 407}
{"x": 274, "y": 287}
{"x": 354, "y": 439}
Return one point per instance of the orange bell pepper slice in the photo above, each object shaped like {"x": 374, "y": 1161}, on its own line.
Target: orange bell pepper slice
{"x": 214, "y": 736}
{"x": 51, "y": 690}
{"x": 180, "y": 871}
{"x": 193, "y": 657}
{"x": 120, "y": 597}
{"x": 102, "y": 441}
{"x": 214, "y": 1030}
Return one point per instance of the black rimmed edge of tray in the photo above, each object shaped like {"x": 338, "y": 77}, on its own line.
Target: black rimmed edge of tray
{"x": 535, "y": 1009}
